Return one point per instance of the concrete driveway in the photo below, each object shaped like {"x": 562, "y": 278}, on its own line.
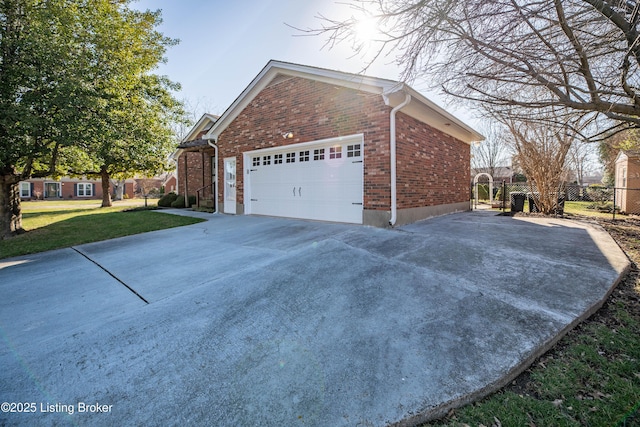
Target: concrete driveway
{"x": 242, "y": 321}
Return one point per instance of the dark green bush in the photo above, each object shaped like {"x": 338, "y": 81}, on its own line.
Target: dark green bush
{"x": 178, "y": 202}
{"x": 483, "y": 191}
{"x": 166, "y": 200}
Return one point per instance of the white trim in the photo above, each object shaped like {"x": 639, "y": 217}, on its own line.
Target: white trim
{"x": 359, "y": 137}
{"x": 206, "y": 117}
{"x": 84, "y": 184}
{"x": 423, "y": 109}
{"x": 230, "y": 208}
{"x": 20, "y": 184}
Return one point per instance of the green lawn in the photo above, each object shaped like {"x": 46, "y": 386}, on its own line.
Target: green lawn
{"x": 60, "y": 224}
{"x": 571, "y": 208}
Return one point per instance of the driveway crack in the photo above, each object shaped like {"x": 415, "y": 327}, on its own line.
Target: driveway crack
{"x": 110, "y": 274}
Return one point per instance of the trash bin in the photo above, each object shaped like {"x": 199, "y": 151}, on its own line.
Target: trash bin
{"x": 560, "y": 205}
{"x": 517, "y": 201}
{"x": 532, "y": 203}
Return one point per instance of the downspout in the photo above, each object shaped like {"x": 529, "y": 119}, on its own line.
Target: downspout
{"x": 215, "y": 180}
{"x": 186, "y": 180}
{"x": 392, "y": 144}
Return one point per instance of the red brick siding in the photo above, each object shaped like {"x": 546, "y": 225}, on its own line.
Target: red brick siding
{"x": 433, "y": 167}
{"x": 312, "y": 111}
{"x": 198, "y": 170}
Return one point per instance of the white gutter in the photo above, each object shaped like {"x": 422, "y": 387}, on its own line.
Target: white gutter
{"x": 215, "y": 180}
{"x": 392, "y": 143}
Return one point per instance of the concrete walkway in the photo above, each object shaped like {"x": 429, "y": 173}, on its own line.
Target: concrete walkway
{"x": 242, "y": 321}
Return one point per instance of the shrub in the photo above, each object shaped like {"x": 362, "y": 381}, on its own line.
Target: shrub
{"x": 166, "y": 200}
{"x": 178, "y": 202}
{"x": 483, "y": 191}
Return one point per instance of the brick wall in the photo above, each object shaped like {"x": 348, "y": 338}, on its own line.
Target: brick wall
{"x": 312, "y": 111}
{"x": 198, "y": 172}
{"x": 433, "y": 167}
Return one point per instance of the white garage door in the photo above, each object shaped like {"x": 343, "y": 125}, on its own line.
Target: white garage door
{"x": 321, "y": 181}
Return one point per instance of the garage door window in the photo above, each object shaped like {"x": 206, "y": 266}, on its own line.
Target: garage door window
{"x": 266, "y": 160}
{"x": 277, "y": 159}
{"x": 335, "y": 152}
{"x": 291, "y": 157}
{"x": 304, "y": 156}
{"x": 318, "y": 154}
{"x": 256, "y": 161}
{"x": 353, "y": 150}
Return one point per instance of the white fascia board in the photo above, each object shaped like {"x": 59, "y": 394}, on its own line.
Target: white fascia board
{"x": 273, "y": 68}
{"x": 206, "y": 117}
{"x": 425, "y": 110}
{"x": 420, "y": 107}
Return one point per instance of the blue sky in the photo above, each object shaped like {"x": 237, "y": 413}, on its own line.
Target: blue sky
{"x": 224, "y": 45}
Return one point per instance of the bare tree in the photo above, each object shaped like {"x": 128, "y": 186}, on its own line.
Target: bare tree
{"x": 494, "y": 151}
{"x": 524, "y": 57}
{"x": 581, "y": 160}
{"x": 542, "y": 152}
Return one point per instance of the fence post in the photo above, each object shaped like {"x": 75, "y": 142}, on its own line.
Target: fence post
{"x": 614, "y": 203}
{"x": 504, "y": 196}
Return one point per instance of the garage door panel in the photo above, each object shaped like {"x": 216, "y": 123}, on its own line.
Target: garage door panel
{"x": 319, "y": 189}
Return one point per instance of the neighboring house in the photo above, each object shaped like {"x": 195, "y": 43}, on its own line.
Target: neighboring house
{"x": 67, "y": 188}
{"x": 170, "y": 183}
{"x": 627, "y": 181}
{"x": 312, "y": 143}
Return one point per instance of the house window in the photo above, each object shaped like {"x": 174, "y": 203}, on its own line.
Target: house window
{"x": 291, "y": 157}
{"x": 266, "y": 160}
{"x": 277, "y": 159}
{"x": 256, "y": 161}
{"x": 52, "y": 189}
{"x": 318, "y": 154}
{"x": 304, "y": 156}
{"x": 25, "y": 189}
{"x": 353, "y": 150}
{"x": 85, "y": 189}
{"x": 335, "y": 152}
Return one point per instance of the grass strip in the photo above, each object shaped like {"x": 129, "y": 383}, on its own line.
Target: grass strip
{"x": 64, "y": 227}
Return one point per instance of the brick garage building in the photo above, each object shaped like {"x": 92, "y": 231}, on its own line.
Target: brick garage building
{"x": 306, "y": 142}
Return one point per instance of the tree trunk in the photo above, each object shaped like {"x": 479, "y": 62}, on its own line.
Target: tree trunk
{"x": 10, "y": 212}
{"x": 106, "y": 194}
{"x": 120, "y": 189}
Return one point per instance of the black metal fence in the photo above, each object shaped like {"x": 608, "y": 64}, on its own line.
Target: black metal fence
{"x": 593, "y": 200}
